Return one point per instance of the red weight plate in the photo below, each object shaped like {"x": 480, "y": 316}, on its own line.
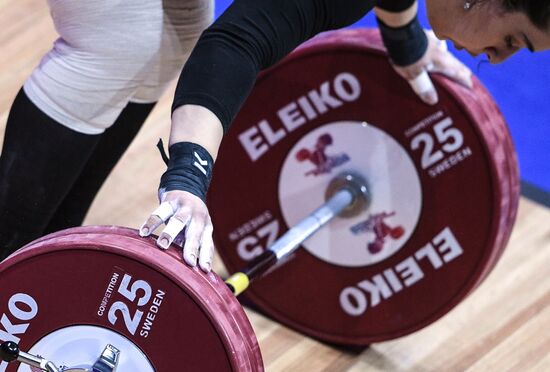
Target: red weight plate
{"x": 68, "y": 294}
{"x": 498, "y": 133}
{"x": 443, "y": 181}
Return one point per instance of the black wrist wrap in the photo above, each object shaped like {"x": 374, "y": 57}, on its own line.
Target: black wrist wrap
{"x": 189, "y": 169}
{"x": 405, "y": 44}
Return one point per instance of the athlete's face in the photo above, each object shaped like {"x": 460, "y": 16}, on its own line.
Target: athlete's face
{"x": 485, "y": 28}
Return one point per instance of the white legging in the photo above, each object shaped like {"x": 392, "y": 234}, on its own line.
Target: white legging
{"x": 111, "y": 52}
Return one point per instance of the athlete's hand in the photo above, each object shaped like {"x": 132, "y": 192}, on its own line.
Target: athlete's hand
{"x": 187, "y": 223}
{"x": 195, "y": 138}
{"x": 436, "y": 59}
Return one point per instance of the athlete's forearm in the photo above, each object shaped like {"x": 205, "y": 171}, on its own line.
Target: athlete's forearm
{"x": 197, "y": 124}
{"x": 403, "y": 35}
{"x": 250, "y": 36}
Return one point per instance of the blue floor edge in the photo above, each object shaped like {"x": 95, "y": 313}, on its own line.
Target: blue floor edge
{"x": 535, "y": 193}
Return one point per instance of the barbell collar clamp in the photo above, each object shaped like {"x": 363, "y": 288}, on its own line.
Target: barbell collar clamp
{"x": 9, "y": 352}
{"x": 108, "y": 360}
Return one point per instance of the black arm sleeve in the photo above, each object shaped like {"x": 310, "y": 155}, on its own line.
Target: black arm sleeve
{"x": 252, "y": 35}
{"x": 406, "y": 44}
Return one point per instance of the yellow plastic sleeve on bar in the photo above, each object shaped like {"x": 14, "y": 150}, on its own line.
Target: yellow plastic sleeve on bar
{"x": 239, "y": 282}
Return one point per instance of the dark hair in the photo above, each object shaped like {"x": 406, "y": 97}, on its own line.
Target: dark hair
{"x": 538, "y": 11}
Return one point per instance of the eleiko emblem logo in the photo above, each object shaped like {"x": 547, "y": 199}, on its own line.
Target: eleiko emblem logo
{"x": 323, "y": 163}
{"x": 377, "y": 225}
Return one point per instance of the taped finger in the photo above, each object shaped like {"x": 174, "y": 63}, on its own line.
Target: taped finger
{"x": 172, "y": 229}
{"x": 152, "y": 223}
{"x": 164, "y": 211}
{"x": 421, "y": 83}
{"x": 424, "y": 88}
{"x": 159, "y": 216}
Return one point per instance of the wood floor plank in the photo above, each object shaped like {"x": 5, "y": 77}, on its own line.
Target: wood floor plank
{"x": 534, "y": 331}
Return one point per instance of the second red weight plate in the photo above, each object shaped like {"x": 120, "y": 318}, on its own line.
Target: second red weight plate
{"x": 443, "y": 181}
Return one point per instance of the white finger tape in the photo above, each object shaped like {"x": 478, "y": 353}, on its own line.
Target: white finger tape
{"x": 422, "y": 83}
{"x": 174, "y": 227}
{"x": 164, "y": 211}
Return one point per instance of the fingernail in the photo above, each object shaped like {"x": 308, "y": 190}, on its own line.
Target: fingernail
{"x": 144, "y": 231}
{"x": 193, "y": 258}
{"x": 164, "y": 242}
{"x": 208, "y": 267}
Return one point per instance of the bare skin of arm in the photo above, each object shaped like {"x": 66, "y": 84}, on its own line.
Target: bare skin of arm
{"x": 197, "y": 124}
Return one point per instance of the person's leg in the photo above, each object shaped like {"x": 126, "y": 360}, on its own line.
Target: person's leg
{"x": 39, "y": 163}
{"x": 79, "y": 89}
{"x": 85, "y": 82}
{"x": 115, "y": 55}
{"x": 112, "y": 145}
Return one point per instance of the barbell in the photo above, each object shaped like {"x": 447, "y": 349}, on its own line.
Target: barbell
{"x": 411, "y": 206}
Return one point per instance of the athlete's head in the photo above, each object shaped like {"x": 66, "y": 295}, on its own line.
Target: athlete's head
{"x": 497, "y": 28}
